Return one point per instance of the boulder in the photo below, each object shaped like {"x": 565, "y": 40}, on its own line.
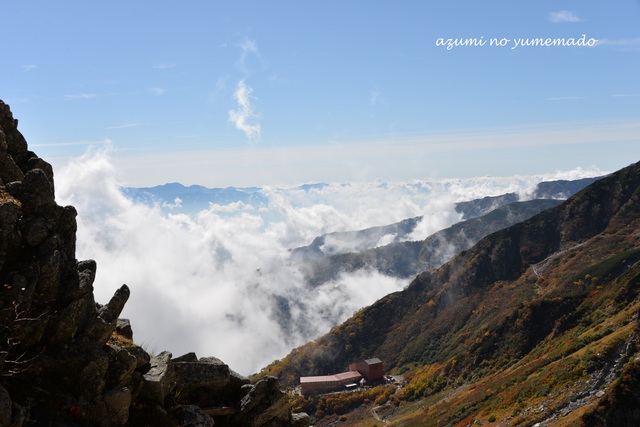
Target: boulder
{"x": 36, "y": 231}
{"x": 122, "y": 364}
{"x": 34, "y": 192}
{"x": 70, "y": 319}
{"x": 142, "y": 357}
{"x": 158, "y": 380}
{"x": 237, "y": 385}
{"x": 189, "y": 357}
{"x": 208, "y": 372}
{"x": 104, "y": 325}
{"x": 118, "y": 402}
{"x": 9, "y": 171}
{"x": 300, "y": 419}
{"x": 191, "y": 416}
{"x": 265, "y": 405}
{"x": 5, "y": 407}
{"x": 123, "y": 327}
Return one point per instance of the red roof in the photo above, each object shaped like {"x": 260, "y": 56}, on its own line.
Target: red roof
{"x": 344, "y": 376}
{"x": 317, "y": 379}
{"x": 351, "y": 375}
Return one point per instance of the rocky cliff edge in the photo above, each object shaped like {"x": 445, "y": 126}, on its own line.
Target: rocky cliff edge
{"x": 66, "y": 360}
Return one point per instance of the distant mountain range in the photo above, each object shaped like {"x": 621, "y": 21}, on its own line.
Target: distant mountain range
{"x": 193, "y": 198}
{"x": 557, "y": 190}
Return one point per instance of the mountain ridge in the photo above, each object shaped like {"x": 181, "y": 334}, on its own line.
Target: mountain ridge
{"x": 369, "y": 237}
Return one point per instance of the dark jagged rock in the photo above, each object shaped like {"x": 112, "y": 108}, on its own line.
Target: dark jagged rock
{"x": 300, "y": 419}
{"x": 123, "y": 327}
{"x": 264, "y": 405}
{"x": 5, "y": 407}
{"x": 191, "y": 416}
{"x": 122, "y": 365}
{"x": 443, "y": 245}
{"x": 207, "y": 372}
{"x": 66, "y": 360}
{"x": 158, "y": 380}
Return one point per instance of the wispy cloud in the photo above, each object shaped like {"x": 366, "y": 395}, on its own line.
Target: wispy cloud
{"x": 105, "y": 141}
{"x": 157, "y": 90}
{"x": 126, "y": 125}
{"x": 220, "y": 89}
{"x": 563, "y": 16}
{"x": 375, "y": 97}
{"x": 632, "y": 44}
{"x": 163, "y": 65}
{"x": 565, "y": 98}
{"x": 626, "y": 95}
{"x": 81, "y": 96}
{"x": 248, "y": 50}
{"x": 29, "y": 67}
{"x": 244, "y": 114}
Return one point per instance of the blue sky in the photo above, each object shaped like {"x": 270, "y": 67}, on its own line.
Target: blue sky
{"x": 273, "y": 93}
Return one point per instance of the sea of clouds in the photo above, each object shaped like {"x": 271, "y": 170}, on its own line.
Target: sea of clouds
{"x": 220, "y": 282}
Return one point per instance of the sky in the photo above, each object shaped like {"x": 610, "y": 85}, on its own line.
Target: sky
{"x": 254, "y": 93}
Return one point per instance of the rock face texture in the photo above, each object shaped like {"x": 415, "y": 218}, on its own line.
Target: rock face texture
{"x": 66, "y": 360}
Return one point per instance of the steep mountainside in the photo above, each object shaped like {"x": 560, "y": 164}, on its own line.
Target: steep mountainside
{"x": 440, "y": 247}
{"x": 532, "y": 323}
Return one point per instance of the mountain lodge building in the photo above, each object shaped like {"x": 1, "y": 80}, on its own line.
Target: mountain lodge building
{"x": 371, "y": 369}
{"x": 366, "y": 372}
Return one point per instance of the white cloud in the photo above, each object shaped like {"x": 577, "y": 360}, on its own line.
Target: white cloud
{"x": 563, "y": 16}
{"x": 217, "y": 285}
{"x": 177, "y": 203}
{"x": 157, "y": 90}
{"x": 220, "y": 282}
{"x": 244, "y": 114}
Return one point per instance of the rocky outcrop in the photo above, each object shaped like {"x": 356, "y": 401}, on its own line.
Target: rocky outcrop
{"x": 66, "y": 360}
